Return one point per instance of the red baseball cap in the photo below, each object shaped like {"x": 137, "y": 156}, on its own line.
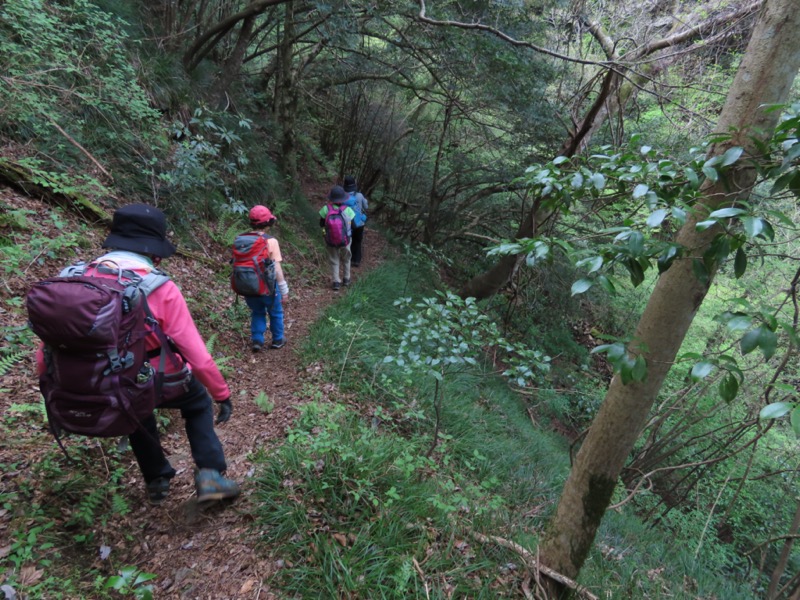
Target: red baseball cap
{"x": 261, "y": 215}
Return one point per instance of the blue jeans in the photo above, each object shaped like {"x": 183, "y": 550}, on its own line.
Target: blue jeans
{"x": 260, "y": 307}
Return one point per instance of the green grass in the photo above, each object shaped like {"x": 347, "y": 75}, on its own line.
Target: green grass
{"x": 351, "y": 499}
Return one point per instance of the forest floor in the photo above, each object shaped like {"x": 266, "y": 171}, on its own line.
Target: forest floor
{"x": 212, "y": 552}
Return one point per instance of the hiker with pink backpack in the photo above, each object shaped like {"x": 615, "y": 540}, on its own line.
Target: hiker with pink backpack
{"x": 119, "y": 341}
{"x": 336, "y": 220}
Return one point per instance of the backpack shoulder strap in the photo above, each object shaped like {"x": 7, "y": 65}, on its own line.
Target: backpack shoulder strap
{"x": 152, "y": 281}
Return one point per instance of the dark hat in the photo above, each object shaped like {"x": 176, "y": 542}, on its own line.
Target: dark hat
{"x": 337, "y": 194}
{"x": 140, "y": 228}
{"x": 260, "y": 216}
{"x": 349, "y": 183}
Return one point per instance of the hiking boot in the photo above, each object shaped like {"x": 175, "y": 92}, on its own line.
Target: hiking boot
{"x": 346, "y": 283}
{"x": 278, "y": 344}
{"x": 336, "y": 286}
{"x": 257, "y": 346}
{"x": 211, "y": 485}
{"x": 355, "y": 264}
{"x": 157, "y": 490}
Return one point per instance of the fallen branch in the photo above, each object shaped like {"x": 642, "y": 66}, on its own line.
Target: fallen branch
{"x": 86, "y": 153}
{"x": 533, "y": 563}
{"x": 22, "y": 179}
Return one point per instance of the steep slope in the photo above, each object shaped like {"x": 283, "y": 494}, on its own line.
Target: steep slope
{"x": 208, "y": 553}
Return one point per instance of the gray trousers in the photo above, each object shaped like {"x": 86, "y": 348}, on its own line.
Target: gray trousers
{"x": 337, "y": 255}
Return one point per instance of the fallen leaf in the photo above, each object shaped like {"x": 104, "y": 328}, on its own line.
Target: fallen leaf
{"x": 341, "y": 538}
{"x": 247, "y": 586}
{"x": 29, "y": 575}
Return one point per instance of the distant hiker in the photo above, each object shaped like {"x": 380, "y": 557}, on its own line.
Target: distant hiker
{"x": 359, "y": 204}
{"x": 258, "y": 276}
{"x": 336, "y": 220}
{"x": 137, "y": 243}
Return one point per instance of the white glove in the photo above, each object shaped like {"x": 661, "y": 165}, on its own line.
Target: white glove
{"x": 283, "y": 288}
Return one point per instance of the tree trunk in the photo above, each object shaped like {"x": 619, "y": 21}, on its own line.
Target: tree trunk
{"x": 764, "y": 77}
{"x": 286, "y": 96}
{"x": 230, "y": 69}
{"x": 783, "y": 559}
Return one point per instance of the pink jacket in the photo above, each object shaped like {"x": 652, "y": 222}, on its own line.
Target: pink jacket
{"x": 169, "y": 309}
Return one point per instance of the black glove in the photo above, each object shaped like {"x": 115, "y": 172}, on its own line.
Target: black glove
{"x": 225, "y": 410}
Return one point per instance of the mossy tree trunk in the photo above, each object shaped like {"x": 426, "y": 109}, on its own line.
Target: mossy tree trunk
{"x": 286, "y": 95}
{"x": 764, "y": 77}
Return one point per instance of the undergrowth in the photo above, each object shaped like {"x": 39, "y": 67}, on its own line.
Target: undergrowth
{"x": 354, "y": 496}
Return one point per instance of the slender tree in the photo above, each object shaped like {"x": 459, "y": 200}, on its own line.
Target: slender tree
{"x": 764, "y": 78}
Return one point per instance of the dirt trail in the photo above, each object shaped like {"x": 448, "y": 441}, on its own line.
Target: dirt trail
{"x": 211, "y": 553}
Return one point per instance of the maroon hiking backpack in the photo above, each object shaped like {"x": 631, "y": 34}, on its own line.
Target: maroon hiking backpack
{"x": 98, "y": 381}
{"x": 337, "y": 232}
{"x": 253, "y": 270}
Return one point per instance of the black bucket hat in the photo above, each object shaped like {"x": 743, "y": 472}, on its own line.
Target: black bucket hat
{"x": 349, "y": 183}
{"x": 337, "y": 194}
{"x": 140, "y": 228}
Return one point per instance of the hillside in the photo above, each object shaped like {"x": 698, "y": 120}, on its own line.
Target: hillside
{"x": 196, "y": 553}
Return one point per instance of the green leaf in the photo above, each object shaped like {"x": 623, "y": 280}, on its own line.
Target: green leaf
{"x": 581, "y": 286}
{"x": 723, "y": 213}
{"x": 559, "y": 160}
{"x": 776, "y": 410}
{"x": 645, "y": 149}
{"x": 794, "y": 419}
{"x": 678, "y": 215}
{"x": 657, "y": 217}
{"x": 640, "y": 190}
{"x": 667, "y": 258}
{"x": 692, "y": 178}
{"x": 607, "y": 284}
{"x": 701, "y": 370}
{"x": 768, "y": 342}
{"x": 594, "y": 263}
{"x": 750, "y": 340}
{"x": 703, "y": 225}
{"x": 753, "y": 226}
{"x": 598, "y": 180}
{"x": 639, "y": 371}
{"x": 711, "y": 173}
{"x": 636, "y": 243}
{"x": 740, "y": 263}
{"x": 739, "y": 323}
{"x": 728, "y": 387}
{"x": 635, "y": 271}
{"x": 731, "y": 156}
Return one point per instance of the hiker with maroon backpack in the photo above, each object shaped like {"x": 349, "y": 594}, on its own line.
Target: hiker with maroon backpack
{"x": 159, "y": 358}
{"x": 258, "y": 277}
{"x": 336, "y": 220}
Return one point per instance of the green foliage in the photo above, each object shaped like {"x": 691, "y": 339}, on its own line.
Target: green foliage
{"x": 223, "y": 362}
{"x": 66, "y": 64}
{"x": 209, "y": 160}
{"x": 446, "y": 333}
{"x": 132, "y": 582}
{"x": 59, "y": 508}
{"x": 264, "y": 404}
{"x": 350, "y": 504}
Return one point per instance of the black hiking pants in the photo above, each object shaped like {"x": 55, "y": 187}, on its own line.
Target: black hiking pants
{"x": 197, "y": 410}
{"x": 355, "y": 245}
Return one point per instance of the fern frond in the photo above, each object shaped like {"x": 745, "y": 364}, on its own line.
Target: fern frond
{"x": 9, "y": 360}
